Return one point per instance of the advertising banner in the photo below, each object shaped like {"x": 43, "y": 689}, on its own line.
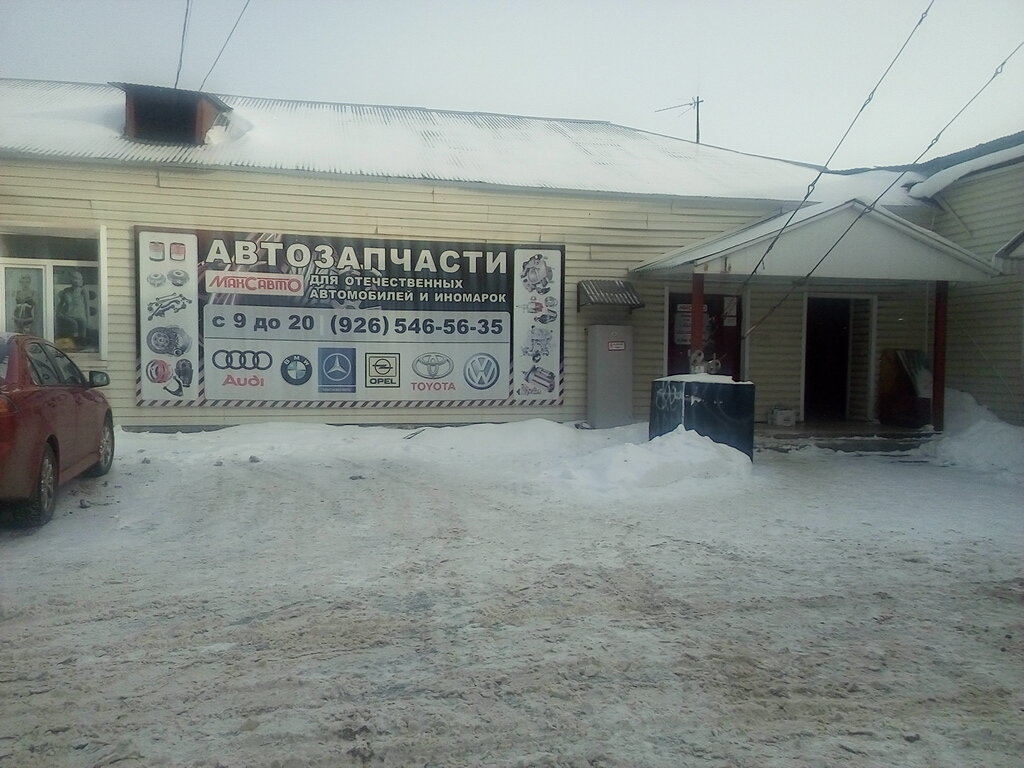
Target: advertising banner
{"x": 278, "y": 320}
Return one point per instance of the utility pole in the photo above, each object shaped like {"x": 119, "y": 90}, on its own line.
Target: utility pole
{"x": 694, "y": 103}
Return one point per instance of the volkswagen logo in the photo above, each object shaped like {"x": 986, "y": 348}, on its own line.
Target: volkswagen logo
{"x": 481, "y": 371}
{"x": 242, "y": 360}
{"x": 433, "y": 365}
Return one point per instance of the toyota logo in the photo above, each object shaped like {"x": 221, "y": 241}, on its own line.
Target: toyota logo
{"x": 242, "y": 360}
{"x": 433, "y": 365}
{"x": 481, "y": 371}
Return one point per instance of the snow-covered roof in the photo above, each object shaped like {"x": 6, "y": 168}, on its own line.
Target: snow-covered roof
{"x": 940, "y": 180}
{"x": 862, "y": 242}
{"x": 85, "y": 122}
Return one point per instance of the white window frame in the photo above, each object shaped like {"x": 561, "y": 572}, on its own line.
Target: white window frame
{"x": 47, "y": 266}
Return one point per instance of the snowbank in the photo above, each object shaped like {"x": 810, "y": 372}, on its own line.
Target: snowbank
{"x": 976, "y": 439}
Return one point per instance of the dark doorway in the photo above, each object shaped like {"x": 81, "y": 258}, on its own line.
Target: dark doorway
{"x": 827, "y": 363}
{"x": 722, "y": 323}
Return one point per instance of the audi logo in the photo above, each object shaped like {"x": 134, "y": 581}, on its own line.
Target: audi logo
{"x": 242, "y": 360}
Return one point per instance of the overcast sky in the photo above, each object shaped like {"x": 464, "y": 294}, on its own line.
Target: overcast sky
{"x": 782, "y": 78}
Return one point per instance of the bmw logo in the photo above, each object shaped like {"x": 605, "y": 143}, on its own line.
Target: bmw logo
{"x": 296, "y": 369}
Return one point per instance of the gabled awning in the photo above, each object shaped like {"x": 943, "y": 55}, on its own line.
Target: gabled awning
{"x": 879, "y": 246}
{"x": 612, "y": 293}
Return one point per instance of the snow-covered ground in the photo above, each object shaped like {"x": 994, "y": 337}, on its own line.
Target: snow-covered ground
{"x": 524, "y": 594}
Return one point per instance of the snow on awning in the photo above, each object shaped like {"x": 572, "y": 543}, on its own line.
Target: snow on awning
{"x": 613, "y": 293}
{"x": 861, "y": 244}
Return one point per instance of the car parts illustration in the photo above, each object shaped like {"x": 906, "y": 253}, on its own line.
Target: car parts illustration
{"x": 539, "y": 345}
{"x": 178, "y": 277}
{"x": 536, "y": 274}
{"x": 173, "y": 302}
{"x": 168, "y": 340}
{"x": 541, "y": 377}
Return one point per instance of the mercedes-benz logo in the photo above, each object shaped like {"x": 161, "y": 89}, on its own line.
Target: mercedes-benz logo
{"x": 337, "y": 367}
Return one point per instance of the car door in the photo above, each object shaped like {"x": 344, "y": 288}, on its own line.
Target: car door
{"x": 89, "y": 407}
{"x": 59, "y": 413}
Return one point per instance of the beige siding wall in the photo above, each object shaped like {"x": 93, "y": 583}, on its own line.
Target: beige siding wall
{"x": 982, "y": 212}
{"x": 985, "y": 350}
{"x": 775, "y": 331}
{"x": 861, "y": 400}
{"x": 603, "y": 237}
{"x": 985, "y": 353}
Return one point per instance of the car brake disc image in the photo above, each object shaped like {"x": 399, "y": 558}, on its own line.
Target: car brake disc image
{"x": 168, "y": 340}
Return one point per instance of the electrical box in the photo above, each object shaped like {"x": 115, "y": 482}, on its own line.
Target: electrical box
{"x": 609, "y": 375}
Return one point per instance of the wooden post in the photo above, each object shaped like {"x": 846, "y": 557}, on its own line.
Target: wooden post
{"x": 939, "y": 356}
{"x": 697, "y": 314}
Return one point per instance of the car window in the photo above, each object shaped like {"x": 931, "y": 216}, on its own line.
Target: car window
{"x": 5, "y": 347}
{"x": 69, "y": 373}
{"x": 44, "y": 373}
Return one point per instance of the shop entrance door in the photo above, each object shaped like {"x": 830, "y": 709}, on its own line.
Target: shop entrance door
{"x": 827, "y": 359}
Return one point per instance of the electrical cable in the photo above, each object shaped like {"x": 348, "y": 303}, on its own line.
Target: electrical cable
{"x": 870, "y": 207}
{"x": 226, "y": 41}
{"x": 181, "y": 48}
{"x": 821, "y": 171}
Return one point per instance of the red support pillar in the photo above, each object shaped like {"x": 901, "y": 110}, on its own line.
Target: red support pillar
{"x": 939, "y": 356}
{"x": 697, "y": 314}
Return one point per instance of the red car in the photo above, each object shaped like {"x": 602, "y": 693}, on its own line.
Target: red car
{"x": 54, "y": 425}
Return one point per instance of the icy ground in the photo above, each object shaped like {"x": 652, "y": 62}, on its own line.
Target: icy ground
{"x": 520, "y": 595}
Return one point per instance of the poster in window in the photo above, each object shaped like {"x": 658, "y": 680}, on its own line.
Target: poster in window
{"x": 76, "y": 308}
{"x": 23, "y": 300}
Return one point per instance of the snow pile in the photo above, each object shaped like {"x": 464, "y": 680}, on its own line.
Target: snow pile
{"x": 586, "y": 462}
{"x": 976, "y": 439}
{"x": 679, "y": 457}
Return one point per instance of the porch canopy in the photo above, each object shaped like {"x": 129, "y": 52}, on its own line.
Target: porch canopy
{"x": 880, "y": 246}
{"x": 848, "y": 241}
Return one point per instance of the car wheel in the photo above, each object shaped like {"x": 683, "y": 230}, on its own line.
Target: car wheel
{"x": 102, "y": 466}
{"x": 39, "y": 508}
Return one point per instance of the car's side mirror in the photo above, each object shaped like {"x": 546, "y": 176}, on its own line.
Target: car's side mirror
{"x": 98, "y": 378}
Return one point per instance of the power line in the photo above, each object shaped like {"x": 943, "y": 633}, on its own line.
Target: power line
{"x": 814, "y": 183}
{"x": 867, "y": 209}
{"x": 226, "y": 41}
{"x": 181, "y": 48}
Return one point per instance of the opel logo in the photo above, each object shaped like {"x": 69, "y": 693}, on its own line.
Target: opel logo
{"x": 481, "y": 371}
{"x": 433, "y": 365}
{"x": 242, "y": 360}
